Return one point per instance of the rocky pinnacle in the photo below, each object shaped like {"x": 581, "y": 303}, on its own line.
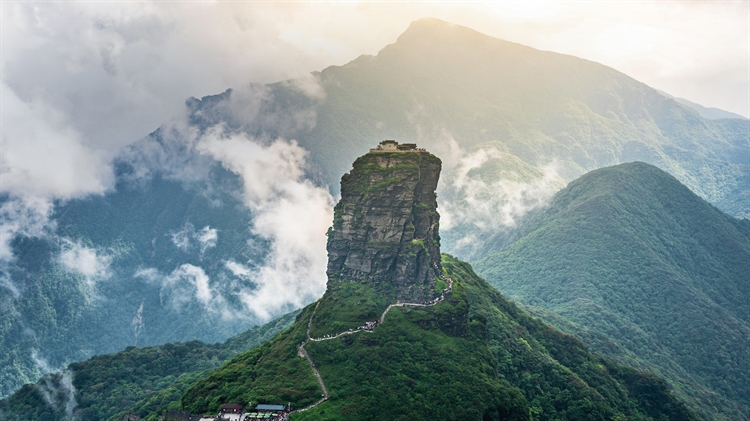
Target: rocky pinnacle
{"x": 385, "y": 227}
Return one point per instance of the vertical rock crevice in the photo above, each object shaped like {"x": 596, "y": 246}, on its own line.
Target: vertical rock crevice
{"x": 385, "y": 231}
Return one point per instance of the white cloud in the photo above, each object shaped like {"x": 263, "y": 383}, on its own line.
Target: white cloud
{"x": 174, "y": 282}
{"x": 187, "y": 238}
{"x": 44, "y": 156}
{"x": 28, "y": 216}
{"x": 137, "y": 322}
{"x": 197, "y": 278}
{"x": 181, "y": 238}
{"x": 288, "y": 210}
{"x": 238, "y": 269}
{"x": 185, "y": 284}
{"x": 207, "y": 238}
{"x": 497, "y": 202}
{"x": 82, "y": 80}
{"x": 56, "y": 391}
{"x": 490, "y": 198}
{"x": 7, "y": 283}
{"x": 89, "y": 262}
{"x": 101, "y": 75}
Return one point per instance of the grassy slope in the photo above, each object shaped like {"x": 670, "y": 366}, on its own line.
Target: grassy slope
{"x": 646, "y": 272}
{"x": 473, "y": 356}
{"x": 136, "y": 380}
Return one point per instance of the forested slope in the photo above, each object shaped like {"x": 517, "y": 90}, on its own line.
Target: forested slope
{"x": 643, "y": 270}
{"x": 136, "y": 380}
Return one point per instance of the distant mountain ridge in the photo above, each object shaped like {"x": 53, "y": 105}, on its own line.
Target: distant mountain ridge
{"x": 644, "y": 271}
{"x": 458, "y": 92}
{"x": 710, "y": 113}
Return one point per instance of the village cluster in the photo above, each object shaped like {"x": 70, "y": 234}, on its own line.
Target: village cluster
{"x": 234, "y": 412}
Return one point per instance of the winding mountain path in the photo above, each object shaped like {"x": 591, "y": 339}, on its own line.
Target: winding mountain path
{"x": 303, "y": 352}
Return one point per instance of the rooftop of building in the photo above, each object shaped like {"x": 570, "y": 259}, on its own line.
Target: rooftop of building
{"x": 390, "y": 145}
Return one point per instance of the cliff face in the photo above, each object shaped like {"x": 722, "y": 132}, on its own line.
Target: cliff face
{"x": 385, "y": 227}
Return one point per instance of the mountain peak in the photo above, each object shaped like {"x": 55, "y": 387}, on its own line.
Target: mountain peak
{"x": 430, "y": 23}
{"x": 439, "y": 32}
{"x": 632, "y": 182}
{"x": 385, "y": 228}
{"x": 628, "y": 245}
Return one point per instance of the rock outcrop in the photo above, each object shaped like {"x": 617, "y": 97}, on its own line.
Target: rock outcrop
{"x": 385, "y": 228}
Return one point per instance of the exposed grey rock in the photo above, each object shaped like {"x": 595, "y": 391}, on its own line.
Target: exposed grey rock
{"x": 385, "y": 228}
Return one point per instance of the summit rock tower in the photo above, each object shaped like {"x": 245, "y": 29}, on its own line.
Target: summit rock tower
{"x": 385, "y": 227}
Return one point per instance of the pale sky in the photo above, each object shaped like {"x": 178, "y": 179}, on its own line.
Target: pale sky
{"x": 81, "y": 80}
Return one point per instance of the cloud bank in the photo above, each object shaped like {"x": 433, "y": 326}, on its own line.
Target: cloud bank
{"x": 57, "y": 390}
{"x": 82, "y": 81}
{"x": 289, "y": 210}
{"x": 489, "y": 191}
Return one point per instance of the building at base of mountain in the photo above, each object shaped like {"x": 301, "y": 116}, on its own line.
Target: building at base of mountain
{"x": 234, "y": 412}
{"x": 393, "y": 146}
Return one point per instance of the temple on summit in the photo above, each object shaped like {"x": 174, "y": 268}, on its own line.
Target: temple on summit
{"x": 393, "y": 146}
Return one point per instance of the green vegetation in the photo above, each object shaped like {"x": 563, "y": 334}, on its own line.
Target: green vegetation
{"x": 645, "y": 272}
{"x": 419, "y": 365}
{"x": 380, "y": 185}
{"x": 474, "y": 356}
{"x": 612, "y": 275}
{"x": 347, "y": 305}
{"x": 137, "y": 380}
{"x": 271, "y": 373}
{"x": 440, "y": 285}
{"x": 372, "y": 177}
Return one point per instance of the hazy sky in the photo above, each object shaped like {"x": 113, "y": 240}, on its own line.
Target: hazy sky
{"x": 80, "y": 80}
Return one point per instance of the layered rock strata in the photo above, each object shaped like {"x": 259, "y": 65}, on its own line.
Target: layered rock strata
{"x": 385, "y": 228}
